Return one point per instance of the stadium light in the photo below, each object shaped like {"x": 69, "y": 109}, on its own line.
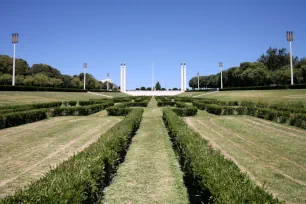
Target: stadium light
{"x": 198, "y": 81}
{"x": 14, "y": 41}
{"x": 107, "y": 81}
{"x": 85, "y": 67}
{"x": 289, "y": 36}
{"x": 221, "y": 65}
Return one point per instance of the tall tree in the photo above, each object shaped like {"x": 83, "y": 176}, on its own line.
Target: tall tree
{"x": 158, "y": 86}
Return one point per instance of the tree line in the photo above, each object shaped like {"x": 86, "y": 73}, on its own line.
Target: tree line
{"x": 271, "y": 68}
{"x": 44, "y": 75}
{"x": 157, "y": 87}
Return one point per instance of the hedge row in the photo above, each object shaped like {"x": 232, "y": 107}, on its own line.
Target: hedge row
{"x": 296, "y": 86}
{"x": 118, "y": 111}
{"x": 183, "y": 112}
{"x": 19, "y": 118}
{"x": 26, "y": 107}
{"x": 81, "y": 178}
{"x": 286, "y": 117}
{"x": 38, "y": 88}
{"x": 215, "y": 178}
{"x": 163, "y": 103}
{"x": 79, "y": 110}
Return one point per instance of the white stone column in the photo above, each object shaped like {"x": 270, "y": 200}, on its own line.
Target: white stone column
{"x": 185, "y": 85}
{"x": 121, "y": 76}
{"x": 182, "y": 77}
{"x": 124, "y": 77}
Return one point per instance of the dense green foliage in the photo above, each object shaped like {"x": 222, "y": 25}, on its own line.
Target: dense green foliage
{"x": 44, "y": 75}
{"x": 81, "y": 178}
{"x": 215, "y": 178}
{"x": 38, "y": 88}
{"x": 272, "y": 68}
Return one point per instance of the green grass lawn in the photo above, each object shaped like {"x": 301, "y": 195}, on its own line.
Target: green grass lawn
{"x": 269, "y": 96}
{"x": 28, "y": 151}
{"x": 150, "y": 172}
{"x": 273, "y": 154}
{"x": 23, "y": 97}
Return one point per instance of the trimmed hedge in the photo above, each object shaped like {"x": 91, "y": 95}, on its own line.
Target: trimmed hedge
{"x": 118, "y": 111}
{"x": 38, "y": 88}
{"x": 81, "y": 178}
{"x": 136, "y": 104}
{"x": 253, "y": 88}
{"x": 161, "y": 103}
{"x": 23, "y": 117}
{"x": 216, "y": 179}
{"x": 190, "y": 111}
{"x": 79, "y": 110}
{"x": 20, "y": 118}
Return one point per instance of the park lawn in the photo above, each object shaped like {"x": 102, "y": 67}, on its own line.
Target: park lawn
{"x": 28, "y": 151}
{"x": 150, "y": 172}
{"x": 272, "y": 154}
{"x": 24, "y": 97}
{"x": 269, "y": 96}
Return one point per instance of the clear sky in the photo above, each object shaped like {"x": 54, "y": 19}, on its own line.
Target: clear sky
{"x": 66, "y": 33}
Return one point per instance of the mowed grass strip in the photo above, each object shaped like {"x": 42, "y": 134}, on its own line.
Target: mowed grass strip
{"x": 268, "y": 96}
{"x": 150, "y": 172}
{"x": 28, "y": 151}
{"x": 27, "y": 97}
{"x": 272, "y": 155}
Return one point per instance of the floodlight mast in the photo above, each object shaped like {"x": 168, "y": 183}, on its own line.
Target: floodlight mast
{"x": 221, "y": 65}
{"x": 14, "y": 41}
{"x": 198, "y": 80}
{"x": 289, "y": 36}
{"x": 85, "y": 67}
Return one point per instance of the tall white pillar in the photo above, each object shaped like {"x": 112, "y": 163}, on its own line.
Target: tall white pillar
{"x": 121, "y": 71}
{"x": 185, "y": 86}
{"x": 182, "y": 77}
{"x": 124, "y": 77}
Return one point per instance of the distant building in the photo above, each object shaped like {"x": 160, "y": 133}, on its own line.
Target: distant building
{"x": 105, "y": 80}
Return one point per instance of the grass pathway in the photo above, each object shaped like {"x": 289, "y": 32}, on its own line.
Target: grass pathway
{"x": 150, "y": 172}
{"x": 273, "y": 155}
{"x": 27, "y": 151}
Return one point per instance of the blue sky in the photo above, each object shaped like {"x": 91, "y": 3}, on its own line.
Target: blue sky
{"x": 66, "y": 33}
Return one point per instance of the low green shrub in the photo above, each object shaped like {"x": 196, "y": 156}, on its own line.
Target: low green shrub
{"x": 79, "y": 110}
{"x": 215, "y": 179}
{"x": 20, "y": 118}
{"x": 189, "y": 111}
{"x": 165, "y": 103}
{"x": 214, "y": 109}
{"x": 81, "y": 178}
{"x": 118, "y": 111}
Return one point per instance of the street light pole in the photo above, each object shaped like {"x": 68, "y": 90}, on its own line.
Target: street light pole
{"x": 107, "y": 81}
{"x": 14, "y": 41}
{"x": 289, "y": 36}
{"x": 85, "y": 66}
{"x": 221, "y": 65}
{"x": 198, "y": 81}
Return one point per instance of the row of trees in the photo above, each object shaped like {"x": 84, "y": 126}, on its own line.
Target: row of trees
{"x": 271, "y": 68}
{"x": 157, "y": 87}
{"x": 44, "y": 75}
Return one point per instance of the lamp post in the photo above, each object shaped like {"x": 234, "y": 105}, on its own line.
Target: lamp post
{"x": 198, "y": 81}
{"x": 14, "y": 41}
{"x": 107, "y": 84}
{"x": 289, "y": 36}
{"x": 221, "y": 65}
{"x": 85, "y": 67}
